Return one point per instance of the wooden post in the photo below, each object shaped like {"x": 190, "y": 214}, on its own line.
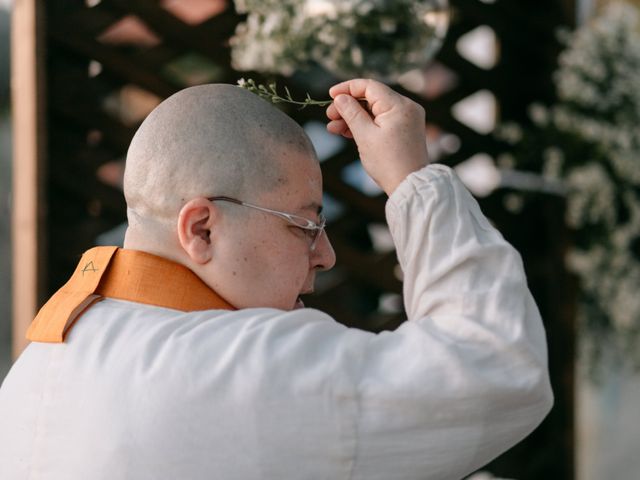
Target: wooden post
{"x": 28, "y": 142}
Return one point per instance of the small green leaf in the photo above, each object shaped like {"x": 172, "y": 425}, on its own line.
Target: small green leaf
{"x": 271, "y": 93}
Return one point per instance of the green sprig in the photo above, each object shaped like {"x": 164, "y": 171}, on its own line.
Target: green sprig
{"x": 270, "y": 93}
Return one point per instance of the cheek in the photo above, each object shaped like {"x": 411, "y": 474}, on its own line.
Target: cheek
{"x": 275, "y": 257}
{"x": 292, "y": 261}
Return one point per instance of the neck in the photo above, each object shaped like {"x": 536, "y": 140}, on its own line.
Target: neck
{"x": 154, "y": 242}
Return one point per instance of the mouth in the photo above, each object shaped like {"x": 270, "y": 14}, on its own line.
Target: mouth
{"x": 299, "y": 303}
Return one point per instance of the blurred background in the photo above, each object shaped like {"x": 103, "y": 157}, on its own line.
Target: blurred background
{"x": 535, "y": 103}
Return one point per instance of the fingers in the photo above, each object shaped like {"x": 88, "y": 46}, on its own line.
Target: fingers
{"x": 357, "y": 119}
{"x": 356, "y": 88}
{"x": 380, "y": 97}
{"x": 339, "y": 127}
{"x": 388, "y": 129}
{"x": 332, "y": 112}
{"x": 347, "y": 114}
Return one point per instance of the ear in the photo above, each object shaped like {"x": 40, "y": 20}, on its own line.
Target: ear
{"x": 195, "y": 221}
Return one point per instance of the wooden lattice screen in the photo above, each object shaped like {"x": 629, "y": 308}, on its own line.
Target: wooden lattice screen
{"x": 109, "y": 62}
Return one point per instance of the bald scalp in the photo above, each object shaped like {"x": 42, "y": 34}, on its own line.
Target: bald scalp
{"x": 207, "y": 140}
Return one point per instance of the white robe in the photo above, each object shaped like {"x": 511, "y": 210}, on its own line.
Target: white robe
{"x": 143, "y": 392}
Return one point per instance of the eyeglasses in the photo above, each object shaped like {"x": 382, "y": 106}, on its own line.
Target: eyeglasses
{"x": 311, "y": 228}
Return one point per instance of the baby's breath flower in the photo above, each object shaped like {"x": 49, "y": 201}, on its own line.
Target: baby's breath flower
{"x": 349, "y": 38}
{"x": 589, "y": 139}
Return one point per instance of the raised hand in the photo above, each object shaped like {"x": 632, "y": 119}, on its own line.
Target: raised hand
{"x": 390, "y": 135}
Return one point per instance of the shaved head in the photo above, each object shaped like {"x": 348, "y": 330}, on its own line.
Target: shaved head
{"x": 221, "y": 140}
{"x": 203, "y": 141}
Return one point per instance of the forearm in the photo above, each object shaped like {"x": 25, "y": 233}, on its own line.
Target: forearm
{"x": 466, "y": 377}
{"x": 470, "y": 364}
{"x": 454, "y": 261}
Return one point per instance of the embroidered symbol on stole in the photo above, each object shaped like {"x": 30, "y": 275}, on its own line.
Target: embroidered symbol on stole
{"x": 89, "y": 267}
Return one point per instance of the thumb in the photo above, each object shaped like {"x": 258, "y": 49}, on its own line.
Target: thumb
{"x": 356, "y": 117}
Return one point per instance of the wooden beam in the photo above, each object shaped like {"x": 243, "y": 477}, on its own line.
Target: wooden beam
{"x": 28, "y": 140}
{"x": 115, "y": 61}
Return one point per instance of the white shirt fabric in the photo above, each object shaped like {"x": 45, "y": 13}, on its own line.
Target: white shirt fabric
{"x": 142, "y": 392}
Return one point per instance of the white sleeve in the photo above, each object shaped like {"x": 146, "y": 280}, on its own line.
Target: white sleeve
{"x": 466, "y": 377}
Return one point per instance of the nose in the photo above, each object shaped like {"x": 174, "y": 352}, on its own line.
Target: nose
{"x": 323, "y": 257}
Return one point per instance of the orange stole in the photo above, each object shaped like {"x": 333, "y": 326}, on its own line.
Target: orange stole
{"x": 125, "y": 275}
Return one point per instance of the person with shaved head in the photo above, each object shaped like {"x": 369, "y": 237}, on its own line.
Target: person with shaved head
{"x": 188, "y": 354}
{"x": 222, "y": 140}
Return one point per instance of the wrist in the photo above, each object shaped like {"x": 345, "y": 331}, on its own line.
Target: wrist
{"x": 391, "y": 183}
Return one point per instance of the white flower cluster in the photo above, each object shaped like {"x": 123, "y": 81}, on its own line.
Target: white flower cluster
{"x": 591, "y": 139}
{"x": 380, "y": 38}
{"x": 599, "y": 90}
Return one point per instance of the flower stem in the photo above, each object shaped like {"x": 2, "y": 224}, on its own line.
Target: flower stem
{"x": 271, "y": 94}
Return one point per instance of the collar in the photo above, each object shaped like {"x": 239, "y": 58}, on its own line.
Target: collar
{"x": 125, "y": 275}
